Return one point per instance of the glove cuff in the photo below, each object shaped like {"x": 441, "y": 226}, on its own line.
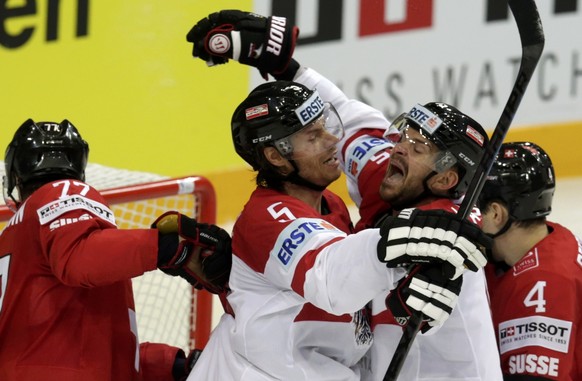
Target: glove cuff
{"x": 289, "y": 73}
{"x": 167, "y": 248}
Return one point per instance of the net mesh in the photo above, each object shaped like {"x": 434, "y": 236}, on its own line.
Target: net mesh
{"x": 165, "y": 306}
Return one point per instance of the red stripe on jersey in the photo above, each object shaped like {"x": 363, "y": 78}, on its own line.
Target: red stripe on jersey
{"x": 309, "y": 312}
{"x": 305, "y": 264}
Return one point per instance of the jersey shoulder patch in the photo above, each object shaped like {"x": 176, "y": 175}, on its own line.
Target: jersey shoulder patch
{"x": 54, "y": 209}
{"x": 62, "y": 196}
{"x": 300, "y": 236}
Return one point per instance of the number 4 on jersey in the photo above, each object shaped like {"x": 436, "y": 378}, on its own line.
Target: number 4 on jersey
{"x": 535, "y": 297}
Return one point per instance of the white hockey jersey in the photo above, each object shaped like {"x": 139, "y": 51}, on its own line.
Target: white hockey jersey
{"x": 464, "y": 348}
{"x": 299, "y": 287}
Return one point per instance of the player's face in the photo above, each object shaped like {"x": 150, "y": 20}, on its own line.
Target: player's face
{"x": 411, "y": 161}
{"x": 315, "y": 153}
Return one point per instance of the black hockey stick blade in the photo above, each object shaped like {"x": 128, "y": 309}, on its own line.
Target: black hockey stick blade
{"x": 532, "y": 38}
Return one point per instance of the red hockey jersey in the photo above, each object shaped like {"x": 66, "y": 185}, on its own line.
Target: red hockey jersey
{"x": 536, "y": 309}
{"x": 66, "y": 305}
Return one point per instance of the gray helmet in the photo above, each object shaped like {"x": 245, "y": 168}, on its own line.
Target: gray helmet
{"x": 44, "y": 150}
{"x": 460, "y": 138}
{"x": 273, "y": 111}
{"x": 522, "y": 176}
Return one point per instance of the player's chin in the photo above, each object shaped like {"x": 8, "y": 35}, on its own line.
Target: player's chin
{"x": 389, "y": 189}
{"x": 329, "y": 175}
{"x": 336, "y": 175}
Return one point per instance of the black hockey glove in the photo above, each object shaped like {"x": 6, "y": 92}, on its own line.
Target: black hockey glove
{"x": 183, "y": 365}
{"x": 200, "y": 253}
{"x": 266, "y": 43}
{"x": 425, "y": 289}
{"x": 433, "y": 236}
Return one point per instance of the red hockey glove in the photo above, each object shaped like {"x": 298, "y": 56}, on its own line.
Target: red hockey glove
{"x": 433, "y": 236}
{"x": 266, "y": 43}
{"x": 427, "y": 290}
{"x": 197, "y": 252}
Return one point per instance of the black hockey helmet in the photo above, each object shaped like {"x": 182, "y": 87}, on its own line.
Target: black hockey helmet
{"x": 43, "y": 150}
{"x": 460, "y": 138}
{"x": 273, "y": 112}
{"x": 523, "y": 177}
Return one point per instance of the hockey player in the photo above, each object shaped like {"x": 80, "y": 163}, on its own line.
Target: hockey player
{"x": 300, "y": 280}
{"x": 66, "y": 304}
{"x": 430, "y": 168}
{"x": 536, "y": 282}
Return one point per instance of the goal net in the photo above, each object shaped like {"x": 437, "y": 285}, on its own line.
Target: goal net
{"x": 168, "y": 309}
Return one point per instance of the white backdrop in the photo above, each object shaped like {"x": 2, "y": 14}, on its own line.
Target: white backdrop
{"x": 460, "y": 58}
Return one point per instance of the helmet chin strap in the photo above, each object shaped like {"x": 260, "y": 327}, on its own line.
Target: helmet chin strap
{"x": 505, "y": 228}
{"x": 294, "y": 178}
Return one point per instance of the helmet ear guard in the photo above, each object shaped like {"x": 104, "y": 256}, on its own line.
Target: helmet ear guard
{"x": 40, "y": 152}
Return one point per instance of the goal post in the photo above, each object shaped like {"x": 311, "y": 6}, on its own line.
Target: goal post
{"x": 168, "y": 309}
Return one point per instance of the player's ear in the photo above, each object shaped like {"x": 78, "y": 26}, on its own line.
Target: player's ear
{"x": 442, "y": 182}
{"x": 277, "y": 160}
{"x": 499, "y": 213}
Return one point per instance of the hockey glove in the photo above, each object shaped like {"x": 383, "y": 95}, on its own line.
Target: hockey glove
{"x": 425, "y": 289}
{"x": 197, "y": 252}
{"x": 184, "y": 365}
{"x": 266, "y": 43}
{"x": 433, "y": 236}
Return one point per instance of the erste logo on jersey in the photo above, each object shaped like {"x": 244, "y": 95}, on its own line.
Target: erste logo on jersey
{"x": 540, "y": 331}
{"x": 54, "y": 209}
{"x": 362, "y": 151}
{"x": 298, "y": 234}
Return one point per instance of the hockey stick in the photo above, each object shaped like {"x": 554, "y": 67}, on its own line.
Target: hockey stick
{"x": 532, "y": 38}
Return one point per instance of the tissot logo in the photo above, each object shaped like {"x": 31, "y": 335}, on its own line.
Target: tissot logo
{"x": 50, "y": 10}
{"x": 540, "y": 331}
{"x": 54, "y": 209}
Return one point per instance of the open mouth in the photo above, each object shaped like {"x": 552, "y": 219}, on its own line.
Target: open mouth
{"x": 396, "y": 170}
{"x": 332, "y": 160}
